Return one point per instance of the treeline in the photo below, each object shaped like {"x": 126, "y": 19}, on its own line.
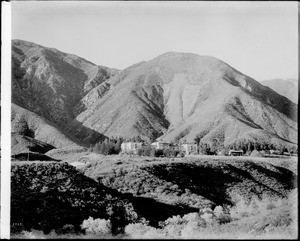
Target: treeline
{"x": 150, "y": 151}
{"x": 109, "y": 146}
{"x": 112, "y": 146}
{"x": 247, "y": 146}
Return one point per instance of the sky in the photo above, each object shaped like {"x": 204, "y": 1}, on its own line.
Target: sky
{"x": 260, "y": 39}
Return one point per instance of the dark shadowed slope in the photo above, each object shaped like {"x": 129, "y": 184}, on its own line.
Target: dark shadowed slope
{"x": 48, "y": 195}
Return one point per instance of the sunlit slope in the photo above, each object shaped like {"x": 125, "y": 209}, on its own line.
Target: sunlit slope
{"x": 178, "y": 95}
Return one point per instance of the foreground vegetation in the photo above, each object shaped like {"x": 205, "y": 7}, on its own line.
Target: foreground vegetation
{"x": 140, "y": 197}
{"x": 55, "y": 196}
{"x": 253, "y": 219}
{"x": 258, "y": 218}
{"x": 191, "y": 182}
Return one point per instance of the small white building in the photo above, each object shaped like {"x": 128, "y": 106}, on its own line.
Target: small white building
{"x": 160, "y": 145}
{"x": 275, "y": 152}
{"x": 190, "y": 148}
{"x": 235, "y": 153}
{"x": 131, "y": 147}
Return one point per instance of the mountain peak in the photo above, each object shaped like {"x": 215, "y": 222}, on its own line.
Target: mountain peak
{"x": 19, "y": 42}
{"x": 186, "y": 56}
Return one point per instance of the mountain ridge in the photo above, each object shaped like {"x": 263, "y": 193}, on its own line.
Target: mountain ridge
{"x": 143, "y": 87}
{"x": 175, "y": 96}
{"x": 50, "y": 83}
{"x": 285, "y": 87}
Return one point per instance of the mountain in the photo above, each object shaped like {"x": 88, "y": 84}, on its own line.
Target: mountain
{"x": 285, "y": 87}
{"x": 180, "y": 95}
{"x": 50, "y": 83}
{"x": 175, "y": 96}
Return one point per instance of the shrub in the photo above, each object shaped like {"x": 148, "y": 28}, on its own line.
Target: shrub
{"x": 214, "y": 223}
{"x": 146, "y": 151}
{"x": 221, "y": 215}
{"x": 140, "y": 230}
{"x": 47, "y": 196}
{"x": 33, "y": 234}
{"x": 97, "y": 226}
{"x": 159, "y": 153}
{"x": 245, "y": 208}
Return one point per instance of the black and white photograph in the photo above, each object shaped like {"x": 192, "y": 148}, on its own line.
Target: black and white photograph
{"x": 150, "y": 120}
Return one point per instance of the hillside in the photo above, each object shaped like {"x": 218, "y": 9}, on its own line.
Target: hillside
{"x": 177, "y": 96}
{"x": 51, "y": 83}
{"x": 174, "y": 97}
{"x": 164, "y": 192}
{"x": 24, "y": 144}
{"x": 29, "y": 124}
{"x": 191, "y": 182}
{"x": 285, "y": 87}
{"x": 51, "y": 195}
{"x": 259, "y": 219}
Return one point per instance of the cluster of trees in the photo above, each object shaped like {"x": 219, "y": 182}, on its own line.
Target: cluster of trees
{"x": 249, "y": 146}
{"x": 112, "y": 146}
{"x": 150, "y": 151}
{"x": 215, "y": 147}
{"x": 109, "y": 146}
{"x": 21, "y": 127}
{"x": 134, "y": 139}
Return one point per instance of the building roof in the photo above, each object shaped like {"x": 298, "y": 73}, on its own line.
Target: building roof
{"x": 160, "y": 142}
{"x": 132, "y": 142}
{"x": 236, "y": 151}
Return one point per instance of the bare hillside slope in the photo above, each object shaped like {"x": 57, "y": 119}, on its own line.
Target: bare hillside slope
{"x": 178, "y": 95}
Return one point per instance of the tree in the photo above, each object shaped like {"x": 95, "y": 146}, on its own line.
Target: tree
{"x": 147, "y": 150}
{"x": 170, "y": 152}
{"x": 21, "y": 127}
{"x": 199, "y": 136}
{"x": 205, "y": 148}
{"x": 96, "y": 148}
{"x": 214, "y": 146}
{"x": 159, "y": 153}
{"x": 250, "y": 146}
{"x": 108, "y": 147}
